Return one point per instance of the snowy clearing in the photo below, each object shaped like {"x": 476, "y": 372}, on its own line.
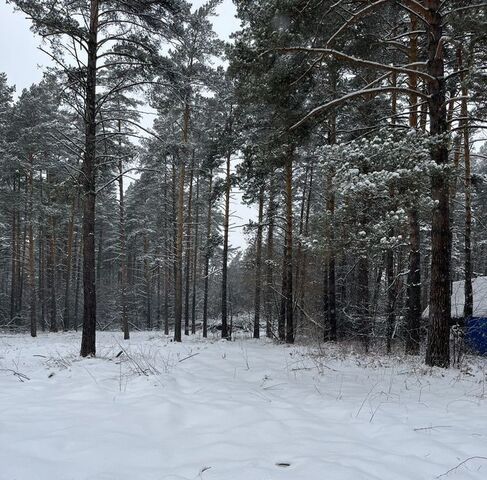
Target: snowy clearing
{"x": 244, "y": 410}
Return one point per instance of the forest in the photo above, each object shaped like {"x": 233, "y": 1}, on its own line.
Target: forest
{"x": 260, "y": 256}
{"x": 354, "y": 129}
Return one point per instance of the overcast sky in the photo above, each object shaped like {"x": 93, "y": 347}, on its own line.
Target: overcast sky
{"x": 22, "y": 61}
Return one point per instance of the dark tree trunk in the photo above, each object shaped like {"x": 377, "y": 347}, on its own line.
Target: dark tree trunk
{"x": 69, "y": 261}
{"x": 258, "y": 265}
{"x": 187, "y": 269}
{"x": 438, "y": 347}
{"x": 364, "y": 300}
{"x": 148, "y": 286}
{"x": 167, "y": 268}
{"x": 226, "y": 222}
{"x": 391, "y": 297}
{"x": 42, "y": 259}
{"x": 53, "y": 327}
{"x": 413, "y": 314}
{"x": 300, "y": 255}
{"x": 88, "y": 339}
{"x": 269, "y": 269}
{"x": 286, "y": 325}
{"x": 123, "y": 244}
{"x": 195, "y": 256}
{"x": 14, "y": 260}
{"x": 209, "y": 247}
{"x": 42, "y": 278}
{"x": 468, "y": 306}
{"x": 414, "y": 284}
{"x": 32, "y": 273}
{"x": 330, "y": 259}
{"x": 178, "y": 268}
{"x": 77, "y": 278}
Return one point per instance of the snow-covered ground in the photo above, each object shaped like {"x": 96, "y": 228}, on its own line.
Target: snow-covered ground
{"x": 217, "y": 410}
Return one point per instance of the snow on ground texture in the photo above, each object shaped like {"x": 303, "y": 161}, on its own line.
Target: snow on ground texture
{"x": 217, "y": 410}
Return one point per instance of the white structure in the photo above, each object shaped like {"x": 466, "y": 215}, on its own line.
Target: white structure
{"x": 479, "y": 287}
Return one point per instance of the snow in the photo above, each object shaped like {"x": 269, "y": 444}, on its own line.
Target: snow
{"x": 479, "y": 288}
{"x": 218, "y": 410}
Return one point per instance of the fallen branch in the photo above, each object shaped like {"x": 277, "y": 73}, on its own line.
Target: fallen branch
{"x": 20, "y": 376}
{"x": 431, "y": 428}
{"x": 460, "y": 464}
{"x": 189, "y": 356}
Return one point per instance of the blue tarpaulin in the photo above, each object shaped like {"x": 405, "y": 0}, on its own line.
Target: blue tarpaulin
{"x": 476, "y": 334}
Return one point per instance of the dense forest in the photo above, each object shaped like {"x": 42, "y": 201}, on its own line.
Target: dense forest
{"x": 354, "y": 128}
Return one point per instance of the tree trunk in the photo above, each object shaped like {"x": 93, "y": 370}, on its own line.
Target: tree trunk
{"x": 413, "y": 314}
{"x": 414, "y": 284}
{"x": 391, "y": 297}
{"x": 53, "y": 327}
{"x": 364, "y": 300}
{"x": 330, "y": 276}
{"x": 123, "y": 248}
{"x": 148, "y": 286}
{"x": 286, "y": 325}
{"x": 42, "y": 259}
{"x": 226, "y": 222}
{"x": 206, "y": 272}
{"x": 258, "y": 265}
{"x": 178, "y": 270}
{"x": 69, "y": 260}
{"x": 14, "y": 260}
{"x": 269, "y": 267}
{"x": 438, "y": 347}
{"x": 88, "y": 339}
{"x": 188, "y": 249}
{"x": 195, "y": 256}
{"x": 32, "y": 273}
{"x": 468, "y": 306}
{"x": 167, "y": 268}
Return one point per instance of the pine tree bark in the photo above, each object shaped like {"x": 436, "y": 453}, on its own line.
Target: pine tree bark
{"x": 468, "y": 305}
{"x": 364, "y": 300}
{"x": 226, "y": 223}
{"x": 32, "y": 273}
{"x": 206, "y": 272}
{"x": 269, "y": 266}
{"x": 148, "y": 286}
{"x": 167, "y": 263}
{"x": 123, "y": 248}
{"x": 414, "y": 284}
{"x": 14, "y": 260}
{"x": 286, "y": 324}
{"x": 414, "y": 287}
{"x": 258, "y": 265}
{"x": 69, "y": 261}
{"x": 438, "y": 347}
{"x": 42, "y": 258}
{"x": 391, "y": 298}
{"x": 178, "y": 269}
{"x": 88, "y": 339}
{"x": 195, "y": 256}
{"x": 300, "y": 255}
{"x": 330, "y": 274}
{"x": 53, "y": 327}
{"x": 187, "y": 270}
{"x": 42, "y": 278}
{"x": 331, "y": 265}
{"x": 391, "y": 294}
